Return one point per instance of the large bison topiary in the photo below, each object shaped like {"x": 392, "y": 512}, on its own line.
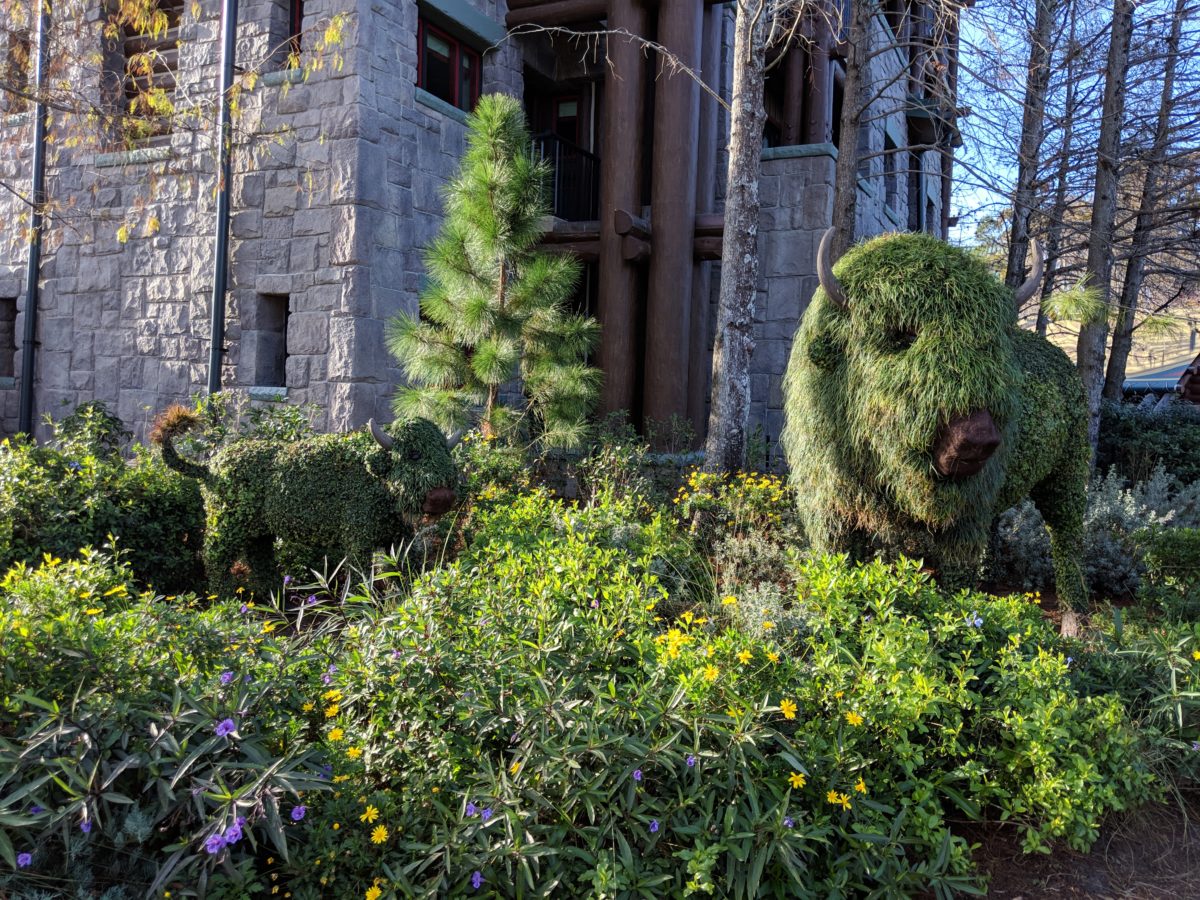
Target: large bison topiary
{"x": 332, "y": 495}
{"x": 917, "y": 410}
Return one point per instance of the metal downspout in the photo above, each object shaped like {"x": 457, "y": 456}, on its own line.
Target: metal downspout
{"x": 38, "y": 199}
{"x": 229, "y": 11}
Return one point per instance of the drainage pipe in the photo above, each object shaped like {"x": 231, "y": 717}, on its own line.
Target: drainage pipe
{"x": 38, "y": 199}
{"x": 229, "y": 11}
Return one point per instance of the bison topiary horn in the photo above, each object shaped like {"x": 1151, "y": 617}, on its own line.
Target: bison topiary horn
{"x": 833, "y": 289}
{"x": 381, "y": 437}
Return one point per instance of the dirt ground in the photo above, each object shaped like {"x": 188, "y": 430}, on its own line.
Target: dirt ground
{"x": 1151, "y": 853}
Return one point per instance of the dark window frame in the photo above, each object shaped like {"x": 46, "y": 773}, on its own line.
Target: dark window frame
{"x": 457, "y": 48}
{"x": 8, "y": 337}
{"x": 295, "y": 25}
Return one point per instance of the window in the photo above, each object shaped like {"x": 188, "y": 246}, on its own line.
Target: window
{"x": 446, "y": 67}
{"x": 891, "y": 181}
{"x": 566, "y": 119}
{"x": 893, "y": 11}
{"x": 18, "y": 66}
{"x": 268, "y": 340}
{"x": 295, "y": 25}
{"x": 916, "y": 189}
{"x": 8, "y": 336}
{"x": 150, "y": 63}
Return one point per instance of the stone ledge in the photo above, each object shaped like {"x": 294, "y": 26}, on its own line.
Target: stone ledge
{"x": 7, "y": 382}
{"x": 132, "y": 157}
{"x": 268, "y": 394}
{"x": 799, "y": 151}
{"x": 866, "y": 187}
{"x": 892, "y": 214}
{"x": 281, "y": 76}
{"x": 437, "y": 103}
{"x": 277, "y": 284}
{"x": 464, "y": 18}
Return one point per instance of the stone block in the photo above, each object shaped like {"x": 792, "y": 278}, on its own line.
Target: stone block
{"x": 307, "y": 333}
{"x": 356, "y": 349}
{"x": 351, "y": 405}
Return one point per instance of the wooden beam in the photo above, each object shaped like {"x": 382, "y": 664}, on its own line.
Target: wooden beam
{"x": 588, "y": 251}
{"x": 571, "y": 231}
{"x": 706, "y": 248}
{"x": 634, "y": 249}
{"x": 817, "y": 126}
{"x": 558, "y": 12}
{"x": 622, "y": 137}
{"x": 710, "y": 225}
{"x": 673, "y": 201}
{"x": 625, "y": 222}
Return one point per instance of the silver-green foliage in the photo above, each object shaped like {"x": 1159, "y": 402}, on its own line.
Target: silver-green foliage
{"x": 496, "y": 308}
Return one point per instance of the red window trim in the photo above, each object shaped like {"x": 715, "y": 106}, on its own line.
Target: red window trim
{"x": 457, "y": 48}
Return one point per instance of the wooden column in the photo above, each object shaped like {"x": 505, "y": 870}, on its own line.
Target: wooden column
{"x": 793, "y": 92}
{"x": 673, "y": 213}
{"x": 700, "y": 357}
{"x": 620, "y": 189}
{"x": 818, "y": 109}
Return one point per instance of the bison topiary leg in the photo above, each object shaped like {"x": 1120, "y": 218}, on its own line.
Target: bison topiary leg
{"x": 1062, "y": 499}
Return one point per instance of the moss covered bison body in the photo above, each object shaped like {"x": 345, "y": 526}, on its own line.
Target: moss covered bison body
{"x": 333, "y": 495}
{"x": 917, "y": 410}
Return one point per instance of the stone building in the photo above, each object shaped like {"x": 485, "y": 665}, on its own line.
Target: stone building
{"x": 337, "y": 181}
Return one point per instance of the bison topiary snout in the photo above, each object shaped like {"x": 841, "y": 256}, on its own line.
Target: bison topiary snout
{"x": 330, "y": 496}
{"x": 917, "y": 410}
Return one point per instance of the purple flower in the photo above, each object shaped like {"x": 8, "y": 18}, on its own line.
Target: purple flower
{"x": 246, "y": 679}
{"x": 214, "y": 844}
{"x": 328, "y": 679}
{"x": 637, "y": 774}
{"x": 396, "y": 654}
{"x": 312, "y": 598}
{"x": 24, "y": 859}
{"x": 298, "y": 813}
{"x": 233, "y": 833}
{"x": 476, "y": 879}
{"x": 35, "y": 810}
{"x": 1070, "y": 659}
{"x": 787, "y": 822}
{"x": 287, "y": 579}
{"x": 974, "y": 619}
{"x": 471, "y": 809}
{"x": 327, "y": 771}
{"x": 225, "y": 727}
{"x": 226, "y": 677}
{"x": 595, "y": 604}
{"x": 691, "y": 761}
{"x": 486, "y": 814}
{"x": 1196, "y": 745}
{"x": 244, "y": 609}
{"x": 654, "y": 826}
{"x": 241, "y": 820}
{"x": 85, "y": 826}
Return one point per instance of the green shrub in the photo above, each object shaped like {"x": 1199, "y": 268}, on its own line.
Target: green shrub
{"x": 534, "y": 716}
{"x": 1117, "y": 515}
{"x": 74, "y": 493}
{"x": 1172, "y": 558}
{"x": 1137, "y": 440}
{"x": 115, "y": 769}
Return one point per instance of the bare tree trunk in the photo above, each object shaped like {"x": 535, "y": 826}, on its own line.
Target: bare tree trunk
{"x": 1093, "y": 335}
{"x": 1037, "y": 83}
{"x": 845, "y": 182}
{"x": 729, "y": 416}
{"x": 1114, "y": 382}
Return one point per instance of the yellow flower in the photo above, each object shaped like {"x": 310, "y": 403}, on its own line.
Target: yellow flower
{"x": 854, "y": 718}
{"x": 729, "y": 600}
{"x": 268, "y": 627}
{"x": 119, "y": 589}
{"x": 773, "y": 656}
{"x": 333, "y": 695}
{"x": 745, "y": 656}
{"x": 788, "y": 708}
{"x": 369, "y": 815}
{"x": 379, "y": 835}
{"x": 373, "y": 893}
{"x": 767, "y": 626}
{"x": 336, "y": 734}
{"x": 331, "y": 711}
{"x": 842, "y": 800}
{"x": 797, "y": 780}
{"x": 711, "y": 672}
{"x": 336, "y": 827}
{"x": 307, "y": 707}
{"x": 338, "y": 779}
{"x": 354, "y": 752}
{"x": 515, "y": 767}
{"x": 861, "y": 786}
{"x": 93, "y": 611}
{"x": 832, "y": 796}
{"x": 839, "y": 694}
{"x": 1196, "y": 654}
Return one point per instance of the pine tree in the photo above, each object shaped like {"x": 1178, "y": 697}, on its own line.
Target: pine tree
{"x": 494, "y": 307}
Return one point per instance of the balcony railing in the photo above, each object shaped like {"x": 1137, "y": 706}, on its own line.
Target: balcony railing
{"x": 575, "y": 182}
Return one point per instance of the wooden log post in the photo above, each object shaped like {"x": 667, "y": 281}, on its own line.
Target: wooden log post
{"x": 673, "y": 213}
{"x": 817, "y": 127}
{"x": 620, "y": 189}
{"x": 699, "y": 352}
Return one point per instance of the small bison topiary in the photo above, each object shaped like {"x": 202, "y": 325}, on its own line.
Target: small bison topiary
{"x": 917, "y": 410}
{"x": 333, "y": 495}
